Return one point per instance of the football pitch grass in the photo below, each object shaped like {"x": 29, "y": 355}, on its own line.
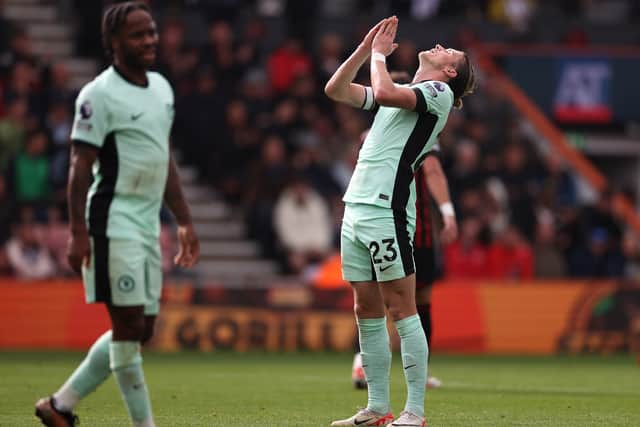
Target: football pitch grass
{"x": 307, "y": 389}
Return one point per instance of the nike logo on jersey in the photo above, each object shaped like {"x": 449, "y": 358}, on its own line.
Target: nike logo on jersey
{"x": 385, "y": 268}
{"x": 135, "y": 117}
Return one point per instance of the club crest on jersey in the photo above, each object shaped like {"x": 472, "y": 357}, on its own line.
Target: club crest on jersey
{"x": 438, "y": 86}
{"x": 126, "y": 283}
{"x": 85, "y": 110}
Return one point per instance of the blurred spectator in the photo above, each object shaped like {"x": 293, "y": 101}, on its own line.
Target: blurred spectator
{"x": 467, "y": 258}
{"x": 599, "y": 258}
{"x": 548, "y": 257}
{"x": 267, "y": 178}
{"x": 600, "y": 216}
{"x": 330, "y": 56}
{"x": 175, "y": 59}
{"x": 13, "y": 130}
{"x": 199, "y": 119}
{"x": 56, "y": 87}
{"x": 510, "y": 257}
{"x": 54, "y": 236}
{"x": 464, "y": 172}
{"x": 22, "y": 82}
{"x": 58, "y": 125}
{"x": 19, "y": 50}
{"x": 286, "y": 63}
{"x": 28, "y": 258}
{"x": 32, "y": 170}
{"x": 218, "y": 52}
{"x": 518, "y": 179}
{"x": 303, "y": 225}
{"x": 558, "y": 187}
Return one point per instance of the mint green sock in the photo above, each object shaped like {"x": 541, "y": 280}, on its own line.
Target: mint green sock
{"x": 92, "y": 372}
{"x": 376, "y": 361}
{"x": 126, "y": 365}
{"x": 414, "y": 349}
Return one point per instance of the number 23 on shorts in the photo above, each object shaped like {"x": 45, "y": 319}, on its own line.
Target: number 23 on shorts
{"x": 390, "y": 252}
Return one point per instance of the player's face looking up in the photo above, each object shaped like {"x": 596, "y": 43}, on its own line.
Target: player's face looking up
{"x": 442, "y": 58}
{"x": 136, "y": 43}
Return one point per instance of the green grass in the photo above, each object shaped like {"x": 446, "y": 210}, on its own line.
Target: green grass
{"x": 257, "y": 389}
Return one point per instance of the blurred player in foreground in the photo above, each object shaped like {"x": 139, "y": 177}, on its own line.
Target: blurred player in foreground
{"x": 121, "y": 131}
{"x": 379, "y": 219}
{"x": 431, "y": 183}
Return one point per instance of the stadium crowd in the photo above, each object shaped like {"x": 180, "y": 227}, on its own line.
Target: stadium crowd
{"x": 257, "y": 126}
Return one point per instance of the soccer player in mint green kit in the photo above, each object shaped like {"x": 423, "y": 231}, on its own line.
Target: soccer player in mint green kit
{"x": 121, "y": 135}
{"x": 379, "y": 218}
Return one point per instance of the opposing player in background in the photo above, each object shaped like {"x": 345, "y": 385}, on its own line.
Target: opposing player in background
{"x": 431, "y": 185}
{"x": 121, "y": 131}
{"x": 379, "y": 219}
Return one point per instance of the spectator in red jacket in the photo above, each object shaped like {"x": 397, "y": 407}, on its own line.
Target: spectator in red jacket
{"x": 467, "y": 257}
{"x": 510, "y": 257}
{"x": 287, "y": 63}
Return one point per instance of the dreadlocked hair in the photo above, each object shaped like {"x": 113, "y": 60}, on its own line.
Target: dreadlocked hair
{"x": 464, "y": 82}
{"x": 113, "y": 20}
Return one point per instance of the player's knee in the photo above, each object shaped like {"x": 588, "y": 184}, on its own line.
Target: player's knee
{"x": 365, "y": 310}
{"x": 397, "y": 312}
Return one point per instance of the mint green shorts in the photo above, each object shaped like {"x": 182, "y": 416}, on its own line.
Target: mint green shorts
{"x": 124, "y": 273}
{"x": 375, "y": 244}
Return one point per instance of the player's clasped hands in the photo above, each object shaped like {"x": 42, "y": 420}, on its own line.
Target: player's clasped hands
{"x": 385, "y": 35}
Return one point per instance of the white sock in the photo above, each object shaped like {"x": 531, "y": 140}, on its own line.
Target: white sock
{"x": 66, "y": 398}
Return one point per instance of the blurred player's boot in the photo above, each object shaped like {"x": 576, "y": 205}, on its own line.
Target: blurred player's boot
{"x": 365, "y": 417}
{"x": 409, "y": 420}
{"x": 51, "y": 417}
{"x": 433, "y": 382}
{"x": 357, "y": 373}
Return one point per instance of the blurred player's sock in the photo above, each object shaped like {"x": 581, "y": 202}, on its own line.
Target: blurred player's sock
{"x": 358, "y": 378}
{"x": 92, "y": 372}
{"x": 413, "y": 346}
{"x": 424, "y": 311}
{"x": 126, "y": 365}
{"x": 376, "y": 361}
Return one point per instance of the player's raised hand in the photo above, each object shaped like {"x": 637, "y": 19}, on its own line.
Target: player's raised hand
{"x": 78, "y": 251}
{"x": 449, "y": 231}
{"x": 383, "y": 40}
{"x": 189, "y": 251}
{"x": 368, "y": 39}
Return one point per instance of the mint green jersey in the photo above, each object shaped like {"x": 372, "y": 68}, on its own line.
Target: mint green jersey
{"x": 395, "y": 147}
{"x": 130, "y": 125}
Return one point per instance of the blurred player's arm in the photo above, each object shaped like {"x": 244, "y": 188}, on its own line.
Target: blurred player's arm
{"x": 340, "y": 86}
{"x": 385, "y": 91}
{"x": 83, "y": 155}
{"x": 189, "y": 250}
{"x": 439, "y": 189}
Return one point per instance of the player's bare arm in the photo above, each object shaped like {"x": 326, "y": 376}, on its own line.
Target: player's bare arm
{"x": 385, "y": 91}
{"x": 340, "y": 86}
{"x": 189, "y": 250}
{"x": 78, "y": 248}
{"x": 439, "y": 188}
